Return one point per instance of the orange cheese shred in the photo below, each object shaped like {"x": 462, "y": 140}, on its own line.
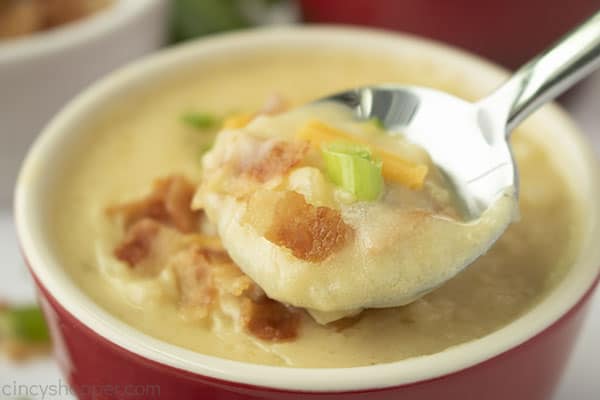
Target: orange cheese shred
{"x": 394, "y": 168}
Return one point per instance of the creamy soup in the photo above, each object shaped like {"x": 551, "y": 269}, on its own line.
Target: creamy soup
{"x": 140, "y": 156}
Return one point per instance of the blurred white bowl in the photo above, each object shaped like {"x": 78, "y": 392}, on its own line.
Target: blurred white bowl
{"x": 40, "y": 72}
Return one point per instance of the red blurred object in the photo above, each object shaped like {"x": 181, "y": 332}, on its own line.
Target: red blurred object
{"x": 508, "y": 31}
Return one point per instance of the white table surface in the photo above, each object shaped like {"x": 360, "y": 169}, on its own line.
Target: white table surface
{"x": 580, "y": 382}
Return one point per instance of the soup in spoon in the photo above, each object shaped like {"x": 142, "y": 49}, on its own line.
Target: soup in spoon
{"x": 334, "y": 215}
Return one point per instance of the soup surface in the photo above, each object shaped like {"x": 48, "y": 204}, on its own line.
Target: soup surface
{"x": 142, "y": 139}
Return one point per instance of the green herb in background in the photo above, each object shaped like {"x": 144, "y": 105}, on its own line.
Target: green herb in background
{"x": 194, "y": 18}
{"x": 201, "y": 120}
{"x": 24, "y": 323}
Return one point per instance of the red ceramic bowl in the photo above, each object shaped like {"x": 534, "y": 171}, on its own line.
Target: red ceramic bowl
{"x": 103, "y": 357}
{"x": 508, "y": 31}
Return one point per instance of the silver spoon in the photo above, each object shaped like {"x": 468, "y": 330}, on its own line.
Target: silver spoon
{"x": 466, "y": 141}
{"x": 469, "y": 141}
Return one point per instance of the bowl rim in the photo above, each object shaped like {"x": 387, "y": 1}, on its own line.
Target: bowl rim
{"x": 31, "y": 187}
{"x": 74, "y": 34}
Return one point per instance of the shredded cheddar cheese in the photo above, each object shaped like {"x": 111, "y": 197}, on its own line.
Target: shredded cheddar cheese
{"x": 394, "y": 168}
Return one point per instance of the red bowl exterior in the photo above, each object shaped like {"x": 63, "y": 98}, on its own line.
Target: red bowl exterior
{"x": 99, "y": 369}
{"x": 507, "y": 31}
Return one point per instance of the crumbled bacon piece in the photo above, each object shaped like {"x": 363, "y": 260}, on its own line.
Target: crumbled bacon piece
{"x": 138, "y": 241}
{"x": 178, "y": 200}
{"x": 280, "y": 158}
{"x": 311, "y": 233}
{"x": 203, "y": 270}
{"x": 210, "y": 247}
{"x": 216, "y": 256}
{"x": 268, "y": 319}
{"x": 169, "y": 203}
{"x": 195, "y": 281}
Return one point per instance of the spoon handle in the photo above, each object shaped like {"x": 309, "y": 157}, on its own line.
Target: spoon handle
{"x": 551, "y": 73}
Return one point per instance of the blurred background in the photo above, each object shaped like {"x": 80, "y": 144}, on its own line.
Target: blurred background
{"x": 51, "y": 49}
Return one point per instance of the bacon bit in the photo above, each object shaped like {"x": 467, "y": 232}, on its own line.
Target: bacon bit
{"x": 241, "y": 284}
{"x": 270, "y": 320}
{"x": 202, "y": 268}
{"x": 200, "y": 280}
{"x": 311, "y": 233}
{"x": 280, "y": 158}
{"x": 216, "y": 256}
{"x": 169, "y": 203}
{"x": 229, "y": 279}
{"x": 210, "y": 247}
{"x": 195, "y": 281}
{"x": 137, "y": 244}
{"x": 178, "y": 200}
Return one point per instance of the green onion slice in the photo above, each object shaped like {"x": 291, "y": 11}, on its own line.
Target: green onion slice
{"x": 201, "y": 120}
{"x": 353, "y": 168}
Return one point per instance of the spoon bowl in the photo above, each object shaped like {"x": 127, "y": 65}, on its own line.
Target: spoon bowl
{"x": 468, "y": 142}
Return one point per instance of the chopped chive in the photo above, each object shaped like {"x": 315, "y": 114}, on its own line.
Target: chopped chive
{"x": 24, "y": 323}
{"x": 352, "y": 167}
{"x": 201, "y": 120}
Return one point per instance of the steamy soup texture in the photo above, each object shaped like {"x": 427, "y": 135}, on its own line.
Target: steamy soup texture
{"x": 133, "y": 235}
